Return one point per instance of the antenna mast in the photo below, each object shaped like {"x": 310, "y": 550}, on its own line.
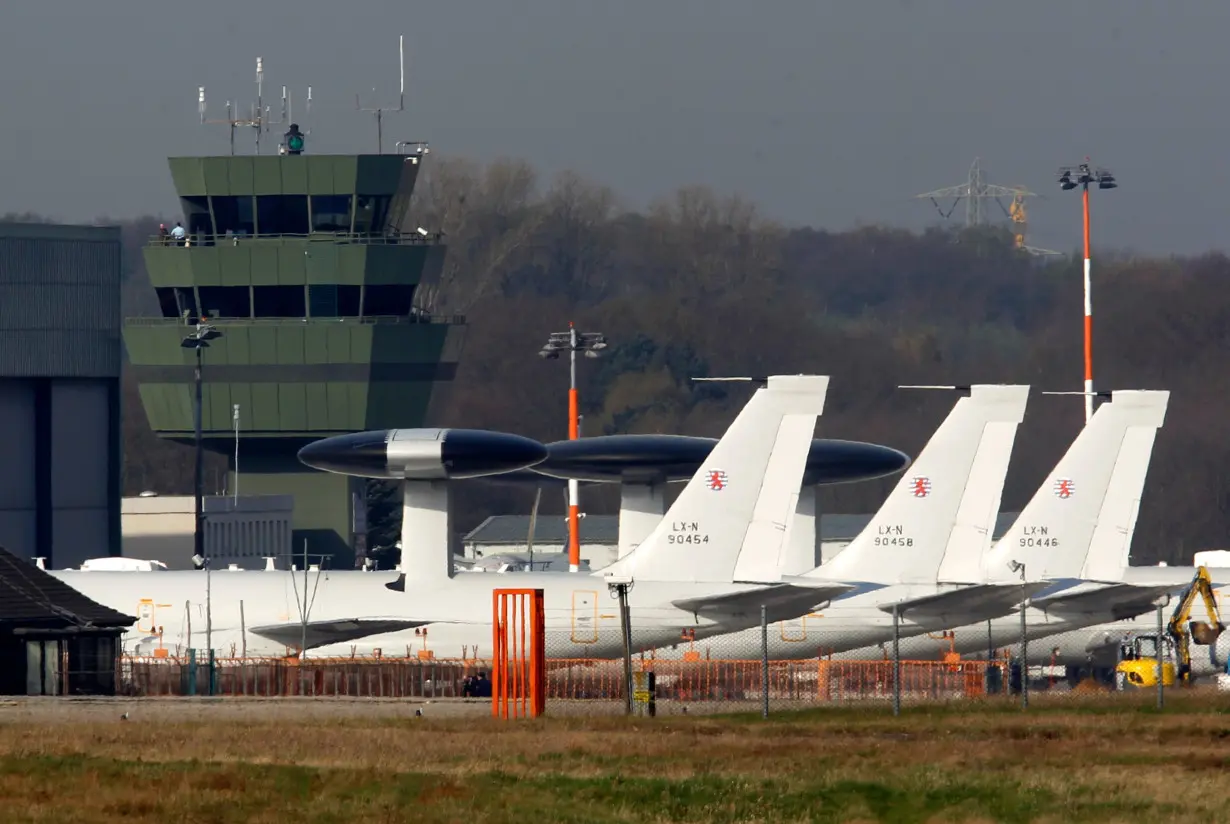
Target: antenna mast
{"x": 401, "y": 99}
{"x": 258, "y": 118}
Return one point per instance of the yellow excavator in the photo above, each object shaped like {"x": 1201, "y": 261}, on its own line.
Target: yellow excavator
{"x": 1138, "y": 658}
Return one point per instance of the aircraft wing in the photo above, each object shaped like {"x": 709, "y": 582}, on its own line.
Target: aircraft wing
{"x": 1110, "y": 602}
{"x": 783, "y": 601}
{"x": 967, "y": 605}
{"x": 323, "y": 633}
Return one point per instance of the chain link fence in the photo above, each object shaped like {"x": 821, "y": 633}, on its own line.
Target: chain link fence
{"x": 772, "y": 668}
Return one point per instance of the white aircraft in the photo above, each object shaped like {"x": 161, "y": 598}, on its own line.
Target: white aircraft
{"x": 1074, "y": 533}
{"x": 940, "y": 513}
{"x": 949, "y": 500}
{"x": 1095, "y": 644}
{"x": 740, "y": 500}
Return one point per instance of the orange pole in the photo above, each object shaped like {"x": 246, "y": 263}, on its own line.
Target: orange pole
{"x": 1088, "y": 316}
{"x": 574, "y": 504}
{"x": 497, "y": 668}
{"x": 573, "y": 416}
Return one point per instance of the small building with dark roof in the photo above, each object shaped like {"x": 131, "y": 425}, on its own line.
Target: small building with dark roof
{"x": 502, "y": 534}
{"x": 53, "y": 639}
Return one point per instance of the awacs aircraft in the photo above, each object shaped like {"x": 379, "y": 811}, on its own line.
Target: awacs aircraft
{"x": 741, "y": 498}
{"x": 1075, "y": 534}
{"x": 949, "y": 499}
{"x": 944, "y": 508}
{"x": 1102, "y": 646}
{"x": 1096, "y": 644}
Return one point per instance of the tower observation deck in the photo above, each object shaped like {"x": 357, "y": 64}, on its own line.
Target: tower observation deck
{"x": 307, "y": 267}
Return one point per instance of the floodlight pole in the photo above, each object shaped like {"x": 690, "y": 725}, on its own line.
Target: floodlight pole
{"x": 199, "y": 339}
{"x": 198, "y": 532}
{"x": 1069, "y": 178}
{"x": 574, "y": 505}
{"x": 198, "y": 484}
{"x": 591, "y": 343}
{"x": 1088, "y": 308}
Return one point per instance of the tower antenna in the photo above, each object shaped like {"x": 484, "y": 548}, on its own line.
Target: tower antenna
{"x": 259, "y": 114}
{"x": 401, "y": 99}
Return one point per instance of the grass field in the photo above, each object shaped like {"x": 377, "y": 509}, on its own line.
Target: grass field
{"x": 1086, "y": 760}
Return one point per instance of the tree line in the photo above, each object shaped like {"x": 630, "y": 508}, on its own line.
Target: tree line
{"x": 701, "y": 283}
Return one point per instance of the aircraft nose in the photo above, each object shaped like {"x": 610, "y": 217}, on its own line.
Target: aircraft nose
{"x": 361, "y": 453}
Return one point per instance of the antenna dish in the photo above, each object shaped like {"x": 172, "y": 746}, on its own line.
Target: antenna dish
{"x": 379, "y": 111}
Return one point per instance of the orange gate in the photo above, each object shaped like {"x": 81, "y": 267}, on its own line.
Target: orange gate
{"x": 519, "y": 665}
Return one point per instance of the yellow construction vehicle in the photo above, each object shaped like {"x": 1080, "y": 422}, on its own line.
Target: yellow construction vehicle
{"x": 1138, "y": 657}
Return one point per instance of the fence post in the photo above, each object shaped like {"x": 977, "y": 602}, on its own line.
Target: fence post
{"x": 625, "y": 622}
{"x": 764, "y": 661}
{"x": 1024, "y": 645}
{"x": 192, "y": 672}
{"x": 1161, "y": 679}
{"x": 896, "y": 660}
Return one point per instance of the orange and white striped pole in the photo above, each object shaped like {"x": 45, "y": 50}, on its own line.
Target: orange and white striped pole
{"x": 574, "y": 506}
{"x": 1088, "y": 314}
{"x": 1070, "y": 177}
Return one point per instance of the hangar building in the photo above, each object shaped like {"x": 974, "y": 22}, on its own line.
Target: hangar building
{"x": 60, "y": 353}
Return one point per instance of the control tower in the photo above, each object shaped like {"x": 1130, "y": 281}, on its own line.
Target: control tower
{"x": 308, "y": 270}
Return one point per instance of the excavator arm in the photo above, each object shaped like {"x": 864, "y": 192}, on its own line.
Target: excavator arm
{"x": 1202, "y": 633}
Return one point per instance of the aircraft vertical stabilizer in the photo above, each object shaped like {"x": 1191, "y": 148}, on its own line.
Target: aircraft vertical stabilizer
{"x": 744, "y": 493}
{"x": 947, "y": 502}
{"x": 1112, "y": 538}
{"x": 1091, "y": 495}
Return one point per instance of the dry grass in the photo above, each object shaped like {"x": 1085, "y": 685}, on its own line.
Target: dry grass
{"x": 1076, "y": 760}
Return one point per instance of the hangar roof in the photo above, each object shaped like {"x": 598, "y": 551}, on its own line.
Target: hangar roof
{"x": 550, "y": 529}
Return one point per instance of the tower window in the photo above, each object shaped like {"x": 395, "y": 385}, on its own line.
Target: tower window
{"x": 331, "y": 213}
{"x": 226, "y": 301}
{"x": 282, "y": 214}
{"x": 370, "y": 214}
{"x": 234, "y": 215}
{"x": 279, "y": 302}
{"x": 329, "y": 301}
{"x": 392, "y": 300}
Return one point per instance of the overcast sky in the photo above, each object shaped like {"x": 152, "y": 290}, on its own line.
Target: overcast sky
{"x": 827, "y": 113}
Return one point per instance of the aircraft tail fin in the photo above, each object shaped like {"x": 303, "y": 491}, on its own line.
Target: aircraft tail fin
{"x": 1089, "y": 499}
{"x": 743, "y": 495}
{"x": 947, "y": 502}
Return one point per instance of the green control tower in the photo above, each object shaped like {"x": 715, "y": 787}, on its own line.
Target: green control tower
{"x": 306, "y": 266}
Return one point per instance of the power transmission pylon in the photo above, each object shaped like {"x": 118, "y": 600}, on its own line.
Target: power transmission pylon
{"x": 975, "y": 191}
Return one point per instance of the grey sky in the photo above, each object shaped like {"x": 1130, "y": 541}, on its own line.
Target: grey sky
{"x": 827, "y": 113}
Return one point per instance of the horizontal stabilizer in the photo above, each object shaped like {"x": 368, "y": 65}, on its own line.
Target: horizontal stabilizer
{"x": 782, "y": 601}
{"x": 338, "y": 631}
{"x": 967, "y": 605}
{"x": 1111, "y": 602}
{"x": 1157, "y": 575}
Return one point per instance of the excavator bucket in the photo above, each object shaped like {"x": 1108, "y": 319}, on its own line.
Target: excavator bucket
{"x": 1205, "y": 634}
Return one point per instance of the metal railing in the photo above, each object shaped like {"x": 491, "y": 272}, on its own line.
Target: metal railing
{"x": 366, "y": 320}
{"x": 807, "y": 682}
{"x": 357, "y": 238}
